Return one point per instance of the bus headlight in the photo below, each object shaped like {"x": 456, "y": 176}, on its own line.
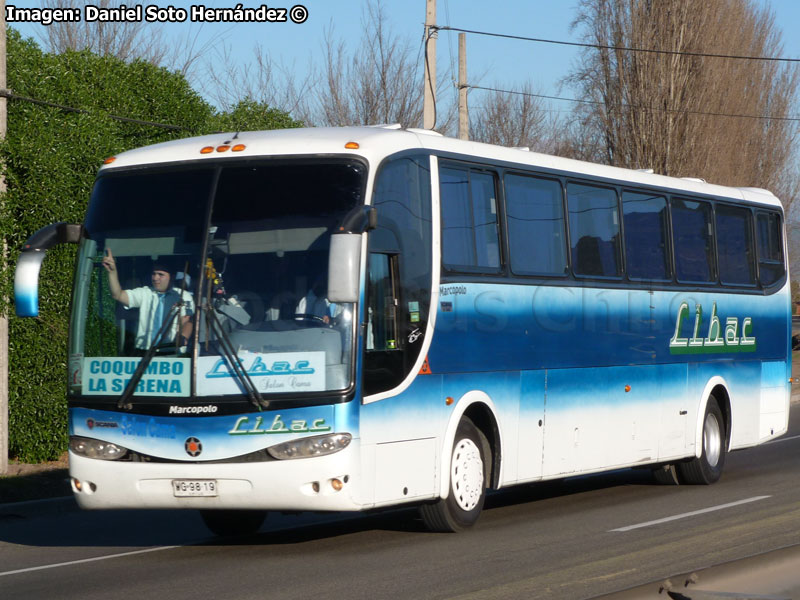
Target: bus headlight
{"x": 318, "y": 445}
{"x": 91, "y": 448}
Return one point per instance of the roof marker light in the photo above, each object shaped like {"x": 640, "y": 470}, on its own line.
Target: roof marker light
{"x": 352, "y": 146}
{"x": 238, "y": 148}
{"x": 207, "y": 150}
{"x": 223, "y": 148}
{"x": 109, "y": 160}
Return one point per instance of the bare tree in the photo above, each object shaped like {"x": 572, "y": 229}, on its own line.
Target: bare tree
{"x": 377, "y": 81}
{"x": 127, "y": 40}
{"x": 723, "y": 119}
{"x": 380, "y": 81}
{"x": 262, "y": 80}
{"x": 514, "y": 118}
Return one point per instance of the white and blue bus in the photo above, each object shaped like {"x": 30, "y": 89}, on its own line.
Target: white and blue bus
{"x": 351, "y": 318}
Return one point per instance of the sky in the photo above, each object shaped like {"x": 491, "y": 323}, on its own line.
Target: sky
{"x": 492, "y": 62}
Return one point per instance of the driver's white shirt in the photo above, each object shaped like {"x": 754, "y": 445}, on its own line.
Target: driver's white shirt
{"x": 310, "y": 304}
{"x": 145, "y": 298}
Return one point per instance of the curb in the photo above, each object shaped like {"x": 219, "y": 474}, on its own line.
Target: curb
{"x": 772, "y": 575}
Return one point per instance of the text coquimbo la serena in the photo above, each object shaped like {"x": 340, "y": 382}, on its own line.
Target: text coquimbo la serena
{"x": 153, "y": 13}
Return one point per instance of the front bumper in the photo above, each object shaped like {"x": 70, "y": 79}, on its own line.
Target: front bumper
{"x": 300, "y": 484}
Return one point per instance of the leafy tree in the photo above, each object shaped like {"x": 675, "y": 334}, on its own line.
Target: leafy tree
{"x": 51, "y": 157}
{"x": 250, "y": 115}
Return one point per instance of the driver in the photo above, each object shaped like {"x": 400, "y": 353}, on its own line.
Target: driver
{"x": 315, "y": 305}
{"x": 154, "y": 303}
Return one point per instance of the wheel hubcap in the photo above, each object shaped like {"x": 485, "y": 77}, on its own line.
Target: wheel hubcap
{"x": 466, "y": 474}
{"x": 712, "y": 440}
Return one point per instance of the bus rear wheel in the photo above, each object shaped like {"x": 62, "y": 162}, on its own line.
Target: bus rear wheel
{"x": 228, "y": 523}
{"x": 462, "y": 507}
{"x": 707, "y": 468}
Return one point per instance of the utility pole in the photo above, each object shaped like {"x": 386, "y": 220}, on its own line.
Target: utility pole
{"x": 463, "y": 111}
{"x": 429, "y": 104}
{"x": 4, "y": 260}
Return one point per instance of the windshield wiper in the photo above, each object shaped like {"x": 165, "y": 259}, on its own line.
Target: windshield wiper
{"x": 237, "y": 368}
{"x": 125, "y": 401}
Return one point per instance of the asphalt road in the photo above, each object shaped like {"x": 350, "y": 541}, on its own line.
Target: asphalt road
{"x": 576, "y": 538}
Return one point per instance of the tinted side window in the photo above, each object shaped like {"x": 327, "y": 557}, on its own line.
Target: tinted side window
{"x": 646, "y": 234}
{"x": 469, "y": 220}
{"x": 693, "y": 241}
{"x": 594, "y": 230}
{"x": 770, "y": 248}
{"x": 735, "y": 249}
{"x": 535, "y": 216}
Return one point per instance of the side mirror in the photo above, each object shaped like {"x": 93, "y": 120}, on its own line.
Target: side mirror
{"x": 343, "y": 263}
{"x": 359, "y": 220}
{"x": 345, "y": 254}
{"x": 26, "y": 276}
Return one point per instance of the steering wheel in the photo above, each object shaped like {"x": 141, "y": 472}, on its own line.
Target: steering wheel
{"x": 315, "y": 319}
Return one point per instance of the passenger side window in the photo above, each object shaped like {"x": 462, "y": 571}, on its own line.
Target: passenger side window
{"x": 594, "y": 231}
{"x": 469, "y": 220}
{"x": 693, "y": 241}
{"x": 735, "y": 248}
{"x": 770, "y": 248}
{"x": 535, "y": 217}
{"x": 646, "y": 234}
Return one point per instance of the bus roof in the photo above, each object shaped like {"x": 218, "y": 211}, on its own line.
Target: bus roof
{"x": 374, "y": 143}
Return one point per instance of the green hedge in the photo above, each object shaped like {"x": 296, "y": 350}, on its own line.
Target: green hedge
{"x": 51, "y": 157}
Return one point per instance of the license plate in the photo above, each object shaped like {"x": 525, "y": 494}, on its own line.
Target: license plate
{"x": 183, "y": 488}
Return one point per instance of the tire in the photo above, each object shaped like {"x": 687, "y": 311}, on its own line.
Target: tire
{"x": 708, "y": 468}
{"x": 468, "y": 468}
{"x": 226, "y": 523}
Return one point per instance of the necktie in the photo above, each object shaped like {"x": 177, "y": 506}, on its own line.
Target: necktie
{"x": 158, "y": 317}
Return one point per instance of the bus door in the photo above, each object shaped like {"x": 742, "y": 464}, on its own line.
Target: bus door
{"x": 531, "y": 424}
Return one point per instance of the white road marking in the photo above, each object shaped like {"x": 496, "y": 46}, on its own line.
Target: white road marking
{"x": 87, "y": 560}
{"x": 691, "y": 514}
{"x": 280, "y": 528}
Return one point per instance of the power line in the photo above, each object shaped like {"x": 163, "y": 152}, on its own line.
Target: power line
{"x": 5, "y": 93}
{"x": 652, "y": 109}
{"x": 622, "y": 48}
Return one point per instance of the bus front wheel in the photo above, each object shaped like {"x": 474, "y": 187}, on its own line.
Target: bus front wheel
{"x": 461, "y": 508}
{"x": 233, "y": 522}
{"x": 707, "y": 468}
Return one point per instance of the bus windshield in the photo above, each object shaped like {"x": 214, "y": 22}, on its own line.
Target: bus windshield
{"x": 196, "y": 259}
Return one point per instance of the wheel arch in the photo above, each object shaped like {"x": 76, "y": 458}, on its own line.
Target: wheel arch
{"x": 717, "y": 387}
{"x": 478, "y": 407}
